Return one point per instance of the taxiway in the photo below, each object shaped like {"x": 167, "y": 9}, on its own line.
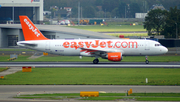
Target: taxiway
{"x": 9, "y": 91}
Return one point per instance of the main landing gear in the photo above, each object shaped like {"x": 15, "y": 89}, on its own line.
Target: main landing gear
{"x": 96, "y": 61}
{"x": 147, "y": 62}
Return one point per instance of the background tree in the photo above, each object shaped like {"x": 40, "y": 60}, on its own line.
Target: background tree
{"x": 155, "y": 21}
{"x": 74, "y": 12}
{"x": 110, "y": 6}
{"x": 162, "y": 22}
{"x": 121, "y": 9}
{"x": 135, "y": 8}
{"x": 173, "y": 20}
{"x": 89, "y": 12}
{"x": 115, "y": 13}
{"x": 99, "y": 2}
{"x": 53, "y": 10}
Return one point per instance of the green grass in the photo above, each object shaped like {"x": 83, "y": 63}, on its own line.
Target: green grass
{"x": 94, "y": 76}
{"x": 102, "y": 98}
{"x": 158, "y": 98}
{"x": 111, "y": 28}
{"x": 135, "y": 98}
{"x": 24, "y": 58}
{"x": 55, "y": 94}
{"x": 15, "y": 49}
{"x": 157, "y": 94}
{"x": 123, "y": 23}
{"x": 108, "y": 96}
{"x": 3, "y": 69}
{"x": 128, "y": 34}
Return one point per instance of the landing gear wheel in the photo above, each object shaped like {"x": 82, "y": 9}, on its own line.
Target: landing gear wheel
{"x": 147, "y": 62}
{"x": 95, "y": 61}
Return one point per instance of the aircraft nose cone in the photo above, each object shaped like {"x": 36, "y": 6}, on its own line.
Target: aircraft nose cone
{"x": 165, "y": 50}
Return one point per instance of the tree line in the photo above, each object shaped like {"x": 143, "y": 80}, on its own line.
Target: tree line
{"x": 110, "y": 8}
{"x": 163, "y": 22}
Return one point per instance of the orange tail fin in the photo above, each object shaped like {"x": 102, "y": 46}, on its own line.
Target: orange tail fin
{"x": 30, "y": 31}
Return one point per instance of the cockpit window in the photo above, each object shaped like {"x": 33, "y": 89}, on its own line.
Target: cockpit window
{"x": 157, "y": 44}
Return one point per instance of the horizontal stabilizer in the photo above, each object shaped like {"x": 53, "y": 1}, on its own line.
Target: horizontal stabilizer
{"x": 27, "y": 44}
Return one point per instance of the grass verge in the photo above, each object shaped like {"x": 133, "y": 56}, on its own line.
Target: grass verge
{"x": 111, "y": 28}
{"x": 128, "y": 34}
{"x": 158, "y": 98}
{"x": 15, "y": 49}
{"x": 94, "y": 76}
{"x": 3, "y": 69}
{"x": 24, "y": 58}
{"x": 108, "y": 96}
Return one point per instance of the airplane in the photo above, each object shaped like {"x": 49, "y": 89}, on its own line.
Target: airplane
{"x": 111, "y": 49}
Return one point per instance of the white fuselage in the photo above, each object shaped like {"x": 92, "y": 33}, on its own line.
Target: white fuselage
{"x": 134, "y": 47}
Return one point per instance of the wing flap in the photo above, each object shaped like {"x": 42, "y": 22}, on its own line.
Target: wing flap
{"x": 98, "y": 51}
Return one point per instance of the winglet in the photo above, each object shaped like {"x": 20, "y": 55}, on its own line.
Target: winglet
{"x": 30, "y": 31}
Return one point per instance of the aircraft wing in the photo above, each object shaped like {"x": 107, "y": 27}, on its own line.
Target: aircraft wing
{"x": 98, "y": 52}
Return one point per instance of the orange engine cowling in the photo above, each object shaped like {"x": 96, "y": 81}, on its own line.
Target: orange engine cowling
{"x": 114, "y": 56}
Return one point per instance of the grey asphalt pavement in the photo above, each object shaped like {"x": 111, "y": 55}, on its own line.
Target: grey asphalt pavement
{"x": 91, "y": 65}
{"x": 8, "y": 91}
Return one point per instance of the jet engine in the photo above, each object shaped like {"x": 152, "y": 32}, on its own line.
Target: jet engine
{"x": 114, "y": 56}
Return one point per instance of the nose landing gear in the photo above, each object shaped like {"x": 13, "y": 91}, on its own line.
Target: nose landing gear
{"x": 147, "y": 62}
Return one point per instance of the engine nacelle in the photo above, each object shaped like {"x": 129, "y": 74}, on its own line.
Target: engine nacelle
{"x": 114, "y": 56}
